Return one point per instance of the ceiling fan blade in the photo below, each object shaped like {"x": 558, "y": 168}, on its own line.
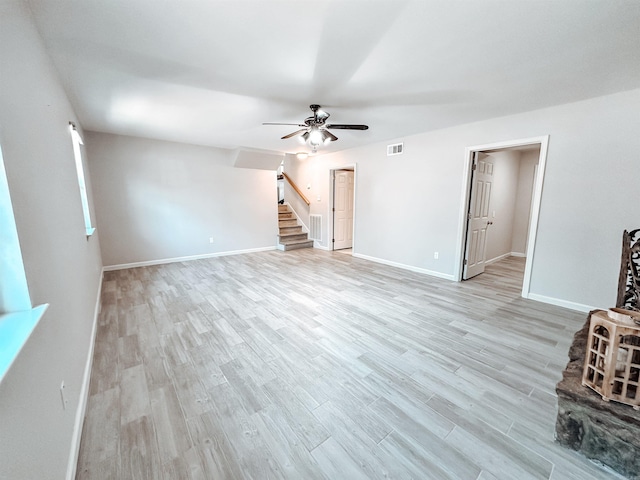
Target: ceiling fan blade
{"x": 293, "y": 124}
{"x": 344, "y": 126}
{"x": 331, "y": 136}
{"x": 299, "y": 132}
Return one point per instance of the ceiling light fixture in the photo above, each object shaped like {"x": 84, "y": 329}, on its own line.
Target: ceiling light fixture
{"x": 316, "y": 137}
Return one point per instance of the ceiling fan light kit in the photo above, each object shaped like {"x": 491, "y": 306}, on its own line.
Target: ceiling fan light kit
{"x": 315, "y": 130}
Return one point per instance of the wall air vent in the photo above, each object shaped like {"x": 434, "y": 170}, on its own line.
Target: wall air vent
{"x": 315, "y": 227}
{"x": 395, "y": 149}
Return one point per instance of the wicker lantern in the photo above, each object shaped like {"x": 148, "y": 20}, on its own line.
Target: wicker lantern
{"x": 612, "y": 363}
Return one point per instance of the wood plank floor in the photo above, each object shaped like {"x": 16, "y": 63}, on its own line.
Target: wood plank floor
{"x": 310, "y": 364}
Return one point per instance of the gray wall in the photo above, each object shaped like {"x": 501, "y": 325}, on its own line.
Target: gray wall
{"x": 408, "y": 206}
{"x": 160, "y": 200}
{"x": 62, "y": 267}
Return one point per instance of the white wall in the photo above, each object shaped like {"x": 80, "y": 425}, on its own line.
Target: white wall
{"x": 522, "y": 214}
{"x": 511, "y": 201}
{"x": 62, "y": 267}
{"x": 292, "y": 167}
{"x": 160, "y": 200}
{"x": 408, "y": 206}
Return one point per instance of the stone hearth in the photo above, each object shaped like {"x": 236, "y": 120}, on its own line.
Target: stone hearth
{"x": 607, "y": 432}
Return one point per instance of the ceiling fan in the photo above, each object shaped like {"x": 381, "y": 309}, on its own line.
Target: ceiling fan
{"x": 315, "y": 131}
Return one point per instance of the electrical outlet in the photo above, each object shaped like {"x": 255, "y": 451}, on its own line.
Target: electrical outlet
{"x": 435, "y": 255}
{"x": 210, "y": 239}
{"x": 62, "y": 396}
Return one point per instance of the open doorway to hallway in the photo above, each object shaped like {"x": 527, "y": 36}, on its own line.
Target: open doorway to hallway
{"x": 501, "y": 206}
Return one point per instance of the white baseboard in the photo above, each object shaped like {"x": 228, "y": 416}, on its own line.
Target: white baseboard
{"x": 162, "y": 261}
{"x": 497, "y": 259}
{"x": 84, "y": 391}
{"x": 405, "y": 267}
{"x": 503, "y": 256}
{"x": 579, "y": 307}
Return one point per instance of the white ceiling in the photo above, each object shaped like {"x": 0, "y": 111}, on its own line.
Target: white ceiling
{"x": 210, "y": 72}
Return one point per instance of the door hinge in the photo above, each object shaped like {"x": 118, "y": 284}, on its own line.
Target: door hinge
{"x": 333, "y": 240}
{"x": 469, "y": 216}
{"x": 474, "y": 166}
{"x": 333, "y": 209}
{"x": 465, "y": 261}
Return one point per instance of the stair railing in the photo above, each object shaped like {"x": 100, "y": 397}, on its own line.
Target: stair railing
{"x": 295, "y": 187}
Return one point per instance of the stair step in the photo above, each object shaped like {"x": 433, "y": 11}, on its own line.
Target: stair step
{"x": 289, "y": 222}
{"x": 289, "y": 237}
{"x": 291, "y": 229}
{"x": 295, "y": 244}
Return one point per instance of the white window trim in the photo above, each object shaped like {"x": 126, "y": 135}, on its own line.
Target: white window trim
{"x": 77, "y": 141}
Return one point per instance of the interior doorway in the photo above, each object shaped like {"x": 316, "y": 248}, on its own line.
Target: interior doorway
{"x": 499, "y": 213}
{"x": 342, "y": 209}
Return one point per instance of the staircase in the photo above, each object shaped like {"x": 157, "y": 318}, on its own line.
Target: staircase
{"x": 291, "y": 235}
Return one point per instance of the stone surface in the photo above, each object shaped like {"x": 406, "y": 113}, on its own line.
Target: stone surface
{"x": 608, "y": 432}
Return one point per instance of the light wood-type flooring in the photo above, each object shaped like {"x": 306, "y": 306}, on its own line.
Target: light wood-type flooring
{"x": 310, "y": 364}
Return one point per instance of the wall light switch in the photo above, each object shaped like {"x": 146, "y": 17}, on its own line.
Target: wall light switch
{"x": 436, "y": 255}
{"x": 210, "y": 239}
{"x": 319, "y": 198}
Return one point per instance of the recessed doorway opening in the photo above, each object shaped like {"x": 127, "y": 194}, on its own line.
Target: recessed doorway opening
{"x": 501, "y": 196}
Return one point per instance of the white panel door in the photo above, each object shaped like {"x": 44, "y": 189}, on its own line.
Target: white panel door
{"x": 343, "y": 210}
{"x": 476, "y": 249}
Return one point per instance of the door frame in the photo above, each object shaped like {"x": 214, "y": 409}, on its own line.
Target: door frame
{"x": 330, "y": 232}
{"x": 543, "y": 141}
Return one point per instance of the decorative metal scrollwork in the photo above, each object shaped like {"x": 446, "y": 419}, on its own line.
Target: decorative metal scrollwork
{"x": 629, "y": 282}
